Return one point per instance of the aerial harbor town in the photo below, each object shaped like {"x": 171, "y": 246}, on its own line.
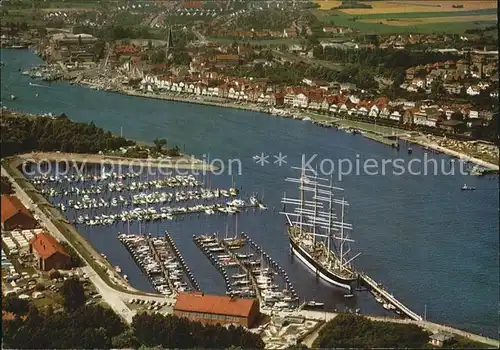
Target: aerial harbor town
{"x": 156, "y": 190}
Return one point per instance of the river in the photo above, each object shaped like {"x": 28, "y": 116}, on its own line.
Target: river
{"x": 426, "y": 240}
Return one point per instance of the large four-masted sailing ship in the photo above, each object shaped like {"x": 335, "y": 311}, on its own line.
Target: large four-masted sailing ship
{"x": 318, "y": 235}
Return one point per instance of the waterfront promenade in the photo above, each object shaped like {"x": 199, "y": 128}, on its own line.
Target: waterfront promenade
{"x": 374, "y": 132}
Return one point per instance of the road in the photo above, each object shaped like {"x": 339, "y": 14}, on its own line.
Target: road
{"x": 115, "y": 298}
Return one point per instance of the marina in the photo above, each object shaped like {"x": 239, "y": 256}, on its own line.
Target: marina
{"x": 161, "y": 262}
{"x": 112, "y": 198}
{"x": 248, "y": 271}
{"x": 394, "y": 240}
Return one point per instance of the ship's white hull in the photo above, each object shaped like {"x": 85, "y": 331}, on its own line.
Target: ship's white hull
{"x": 299, "y": 253}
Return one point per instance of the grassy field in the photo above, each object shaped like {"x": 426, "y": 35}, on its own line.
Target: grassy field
{"x": 423, "y": 21}
{"x": 327, "y": 4}
{"x": 415, "y": 22}
{"x": 415, "y": 6}
{"x": 430, "y": 14}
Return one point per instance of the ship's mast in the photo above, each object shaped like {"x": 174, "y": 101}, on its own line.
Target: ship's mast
{"x": 302, "y": 178}
{"x": 329, "y": 225}
{"x": 315, "y": 210}
{"x": 342, "y": 236}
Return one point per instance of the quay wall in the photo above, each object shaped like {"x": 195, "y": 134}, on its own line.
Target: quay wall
{"x": 453, "y": 153}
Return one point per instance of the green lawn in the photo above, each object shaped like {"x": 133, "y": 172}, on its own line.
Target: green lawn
{"x": 339, "y": 18}
{"x": 428, "y": 14}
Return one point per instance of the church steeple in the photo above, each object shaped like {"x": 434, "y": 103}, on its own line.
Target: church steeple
{"x": 170, "y": 44}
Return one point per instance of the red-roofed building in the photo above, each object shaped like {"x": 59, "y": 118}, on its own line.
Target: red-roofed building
{"x": 49, "y": 252}
{"x": 213, "y": 309}
{"x": 15, "y": 215}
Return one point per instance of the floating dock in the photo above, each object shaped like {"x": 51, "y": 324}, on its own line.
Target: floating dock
{"x": 276, "y": 269}
{"x": 245, "y": 275}
{"x": 210, "y": 246}
{"x": 187, "y": 271}
{"x": 378, "y": 290}
{"x": 158, "y": 259}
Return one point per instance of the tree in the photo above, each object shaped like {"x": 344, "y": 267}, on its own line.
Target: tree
{"x": 437, "y": 88}
{"x": 125, "y": 340}
{"x": 353, "y": 331}
{"x": 159, "y": 143}
{"x": 457, "y": 116}
{"x": 73, "y": 293}
{"x": 15, "y": 305}
{"x": 75, "y": 259}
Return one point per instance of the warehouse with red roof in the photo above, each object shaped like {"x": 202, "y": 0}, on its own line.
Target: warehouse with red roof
{"x": 213, "y": 309}
{"x": 49, "y": 253}
{"x": 16, "y": 215}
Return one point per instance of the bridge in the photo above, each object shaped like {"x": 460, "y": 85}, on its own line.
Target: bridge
{"x": 389, "y": 297}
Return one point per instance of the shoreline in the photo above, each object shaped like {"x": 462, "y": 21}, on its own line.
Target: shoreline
{"x": 367, "y": 132}
{"x": 183, "y": 162}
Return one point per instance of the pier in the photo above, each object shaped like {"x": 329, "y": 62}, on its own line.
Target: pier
{"x": 173, "y": 248}
{"x": 161, "y": 261}
{"x": 273, "y": 265}
{"x": 389, "y": 298}
{"x": 214, "y": 258}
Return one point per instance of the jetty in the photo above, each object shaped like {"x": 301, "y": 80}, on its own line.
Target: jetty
{"x": 388, "y": 297}
{"x": 171, "y": 244}
{"x": 124, "y": 163}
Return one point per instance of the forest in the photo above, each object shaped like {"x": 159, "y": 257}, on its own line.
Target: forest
{"x": 81, "y": 326}
{"x": 353, "y": 331}
{"x": 21, "y": 134}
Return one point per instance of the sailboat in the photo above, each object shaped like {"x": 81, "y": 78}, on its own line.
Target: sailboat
{"x": 234, "y": 242}
{"x": 317, "y": 236}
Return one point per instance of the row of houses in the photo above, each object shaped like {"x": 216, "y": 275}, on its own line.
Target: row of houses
{"x": 317, "y": 99}
{"x": 453, "y": 75}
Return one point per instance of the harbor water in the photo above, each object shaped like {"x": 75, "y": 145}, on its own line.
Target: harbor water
{"x": 426, "y": 240}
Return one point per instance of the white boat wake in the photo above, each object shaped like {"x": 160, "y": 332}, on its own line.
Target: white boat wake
{"x": 39, "y": 85}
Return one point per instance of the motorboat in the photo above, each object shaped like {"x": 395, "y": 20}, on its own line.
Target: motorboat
{"x": 467, "y": 188}
{"x": 315, "y": 304}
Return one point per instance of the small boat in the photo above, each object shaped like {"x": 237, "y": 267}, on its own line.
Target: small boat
{"x": 348, "y": 296}
{"x": 410, "y": 150}
{"x": 118, "y": 269}
{"x": 12, "y": 97}
{"x": 315, "y": 304}
{"x": 467, "y": 188}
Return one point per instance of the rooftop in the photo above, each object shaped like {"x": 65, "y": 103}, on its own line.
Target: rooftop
{"x": 214, "y": 304}
{"x": 12, "y": 205}
{"x": 46, "y": 246}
